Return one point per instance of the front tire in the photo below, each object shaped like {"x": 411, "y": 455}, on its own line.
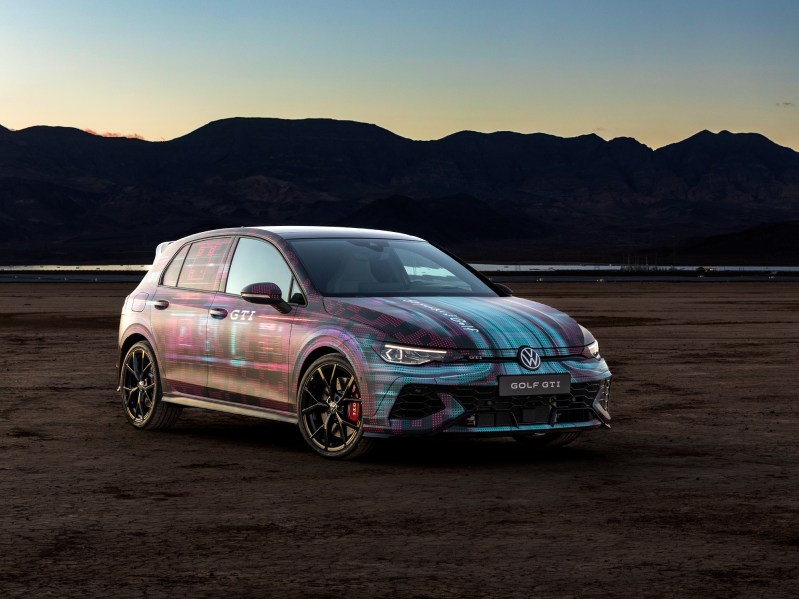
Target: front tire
{"x": 140, "y": 385}
{"x": 329, "y": 409}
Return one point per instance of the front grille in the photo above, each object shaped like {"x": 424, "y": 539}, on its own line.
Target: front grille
{"x": 483, "y": 407}
{"x": 512, "y": 354}
{"x": 416, "y": 401}
{"x": 492, "y": 359}
{"x": 486, "y": 398}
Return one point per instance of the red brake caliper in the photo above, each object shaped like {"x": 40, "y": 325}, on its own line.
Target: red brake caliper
{"x": 354, "y": 408}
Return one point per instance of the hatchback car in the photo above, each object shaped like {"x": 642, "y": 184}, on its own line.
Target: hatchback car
{"x": 353, "y": 335}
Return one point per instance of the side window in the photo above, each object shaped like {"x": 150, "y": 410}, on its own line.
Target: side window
{"x": 202, "y": 264}
{"x": 258, "y": 262}
{"x": 173, "y": 270}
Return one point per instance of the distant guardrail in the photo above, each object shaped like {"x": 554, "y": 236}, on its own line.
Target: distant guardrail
{"x": 482, "y": 267}
{"x": 131, "y": 273}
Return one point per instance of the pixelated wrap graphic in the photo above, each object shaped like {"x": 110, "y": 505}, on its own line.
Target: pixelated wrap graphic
{"x": 254, "y": 355}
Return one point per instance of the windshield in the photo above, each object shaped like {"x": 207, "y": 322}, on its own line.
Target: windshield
{"x": 384, "y": 267}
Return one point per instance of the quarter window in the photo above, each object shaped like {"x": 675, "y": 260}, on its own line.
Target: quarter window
{"x": 202, "y": 264}
{"x": 257, "y": 261}
{"x": 172, "y": 272}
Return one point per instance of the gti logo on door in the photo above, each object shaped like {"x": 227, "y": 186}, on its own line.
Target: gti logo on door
{"x": 529, "y": 358}
{"x": 242, "y": 314}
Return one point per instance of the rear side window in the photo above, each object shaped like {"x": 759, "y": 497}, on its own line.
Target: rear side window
{"x": 203, "y": 263}
{"x": 258, "y": 262}
{"x": 172, "y": 272}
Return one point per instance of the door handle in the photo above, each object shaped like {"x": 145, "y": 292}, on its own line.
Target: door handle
{"x": 160, "y": 304}
{"x": 219, "y": 313}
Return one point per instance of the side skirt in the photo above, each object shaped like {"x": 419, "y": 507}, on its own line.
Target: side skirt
{"x": 231, "y": 408}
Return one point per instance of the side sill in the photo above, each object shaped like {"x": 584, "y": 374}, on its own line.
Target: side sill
{"x": 230, "y": 408}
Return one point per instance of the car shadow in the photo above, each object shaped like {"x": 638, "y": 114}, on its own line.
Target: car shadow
{"x": 413, "y": 451}
{"x": 472, "y": 451}
{"x": 240, "y": 431}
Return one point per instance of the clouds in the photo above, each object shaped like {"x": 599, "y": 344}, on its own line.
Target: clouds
{"x": 110, "y": 134}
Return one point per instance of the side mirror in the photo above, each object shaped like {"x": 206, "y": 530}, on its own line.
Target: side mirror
{"x": 266, "y": 293}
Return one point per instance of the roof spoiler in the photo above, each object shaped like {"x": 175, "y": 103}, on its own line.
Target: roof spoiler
{"x": 160, "y": 249}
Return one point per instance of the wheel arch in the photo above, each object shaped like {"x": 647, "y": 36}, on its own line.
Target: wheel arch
{"x": 130, "y": 338}
{"x": 342, "y": 345}
{"x": 312, "y": 357}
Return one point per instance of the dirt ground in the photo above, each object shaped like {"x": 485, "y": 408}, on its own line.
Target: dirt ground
{"x": 694, "y": 492}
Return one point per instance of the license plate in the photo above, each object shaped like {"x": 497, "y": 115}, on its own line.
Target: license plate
{"x": 534, "y": 384}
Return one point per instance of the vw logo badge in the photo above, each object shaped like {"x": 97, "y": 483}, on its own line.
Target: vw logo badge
{"x": 529, "y": 358}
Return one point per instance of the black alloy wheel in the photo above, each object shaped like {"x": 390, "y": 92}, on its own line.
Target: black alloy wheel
{"x": 140, "y": 386}
{"x": 330, "y": 410}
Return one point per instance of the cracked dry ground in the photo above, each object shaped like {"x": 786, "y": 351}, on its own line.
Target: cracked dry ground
{"x": 694, "y": 492}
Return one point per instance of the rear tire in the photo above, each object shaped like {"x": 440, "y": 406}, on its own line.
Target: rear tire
{"x": 140, "y": 386}
{"x": 329, "y": 410}
{"x": 536, "y": 440}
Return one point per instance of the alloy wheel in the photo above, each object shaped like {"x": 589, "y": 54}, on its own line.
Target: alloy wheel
{"x": 138, "y": 385}
{"x": 330, "y": 408}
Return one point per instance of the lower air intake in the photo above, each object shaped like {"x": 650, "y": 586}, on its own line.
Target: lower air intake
{"x": 415, "y": 402}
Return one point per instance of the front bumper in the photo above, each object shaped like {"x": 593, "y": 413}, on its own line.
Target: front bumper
{"x": 421, "y": 409}
{"x": 463, "y": 396}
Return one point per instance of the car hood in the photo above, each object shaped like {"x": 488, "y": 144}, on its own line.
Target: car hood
{"x": 498, "y": 323}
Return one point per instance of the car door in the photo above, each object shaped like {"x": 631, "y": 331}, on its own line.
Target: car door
{"x": 179, "y": 317}
{"x": 249, "y": 343}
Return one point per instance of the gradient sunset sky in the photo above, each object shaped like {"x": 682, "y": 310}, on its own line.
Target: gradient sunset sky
{"x": 656, "y": 71}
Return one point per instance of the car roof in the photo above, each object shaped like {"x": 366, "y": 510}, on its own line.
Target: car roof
{"x": 292, "y": 232}
{"x": 297, "y": 232}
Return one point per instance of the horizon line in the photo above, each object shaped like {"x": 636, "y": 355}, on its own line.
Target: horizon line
{"x": 138, "y": 137}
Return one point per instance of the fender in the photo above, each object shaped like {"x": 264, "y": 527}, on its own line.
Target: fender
{"x": 134, "y": 329}
{"x": 341, "y": 341}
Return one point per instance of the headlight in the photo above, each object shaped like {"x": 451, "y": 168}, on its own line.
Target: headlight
{"x": 402, "y": 354}
{"x": 592, "y": 350}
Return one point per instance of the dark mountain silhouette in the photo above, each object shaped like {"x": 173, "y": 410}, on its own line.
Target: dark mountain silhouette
{"x": 67, "y": 195}
{"x": 767, "y": 244}
{"x": 448, "y": 220}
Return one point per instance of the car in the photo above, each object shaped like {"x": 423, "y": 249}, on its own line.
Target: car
{"x": 352, "y": 335}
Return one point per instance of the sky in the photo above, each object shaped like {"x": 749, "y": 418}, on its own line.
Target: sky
{"x": 655, "y": 71}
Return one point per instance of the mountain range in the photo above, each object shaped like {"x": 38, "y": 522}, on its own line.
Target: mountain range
{"x": 70, "y": 196}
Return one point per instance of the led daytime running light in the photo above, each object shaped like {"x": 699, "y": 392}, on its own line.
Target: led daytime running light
{"x": 403, "y": 354}
{"x": 591, "y": 350}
